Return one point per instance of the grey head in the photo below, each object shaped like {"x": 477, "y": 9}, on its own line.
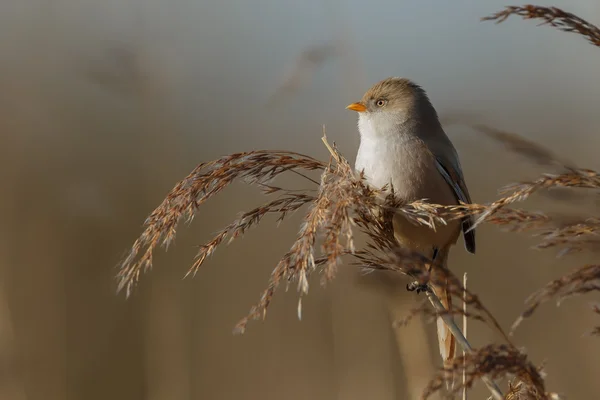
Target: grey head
{"x": 395, "y": 105}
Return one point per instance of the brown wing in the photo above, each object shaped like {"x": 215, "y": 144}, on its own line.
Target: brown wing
{"x": 454, "y": 178}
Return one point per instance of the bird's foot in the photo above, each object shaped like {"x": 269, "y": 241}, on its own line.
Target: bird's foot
{"x": 419, "y": 287}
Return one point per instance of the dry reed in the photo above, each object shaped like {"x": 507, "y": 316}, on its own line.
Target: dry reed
{"x": 495, "y": 361}
{"x": 552, "y": 16}
{"x": 342, "y": 203}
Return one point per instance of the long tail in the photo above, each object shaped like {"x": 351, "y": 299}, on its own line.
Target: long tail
{"x": 446, "y": 341}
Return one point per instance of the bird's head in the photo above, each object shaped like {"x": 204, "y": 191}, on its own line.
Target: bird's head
{"x": 389, "y": 106}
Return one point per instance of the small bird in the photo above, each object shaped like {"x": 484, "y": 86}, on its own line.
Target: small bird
{"x": 402, "y": 143}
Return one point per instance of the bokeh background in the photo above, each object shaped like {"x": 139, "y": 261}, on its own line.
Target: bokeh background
{"x": 104, "y": 105}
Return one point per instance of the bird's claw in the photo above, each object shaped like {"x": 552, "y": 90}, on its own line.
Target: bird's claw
{"x": 419, "y": 287}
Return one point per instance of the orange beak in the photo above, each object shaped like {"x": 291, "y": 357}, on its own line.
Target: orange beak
{"x": 358, "y": 107}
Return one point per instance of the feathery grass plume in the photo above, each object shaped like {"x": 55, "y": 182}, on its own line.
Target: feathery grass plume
{"x": 573, "y": 178}
{"x": 205, "y": 181}
{"x": 552, "y": 16}
{"x": 495, "y": 362}
{"x": 581, "y": 281}
{"x": 572, "y": 238}
{"x": 283, "y": 206}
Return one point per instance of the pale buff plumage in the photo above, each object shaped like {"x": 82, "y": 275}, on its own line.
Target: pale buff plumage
{"x": 402, "y": 142}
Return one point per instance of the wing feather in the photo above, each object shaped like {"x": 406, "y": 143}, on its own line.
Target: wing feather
{"x": 457, "y": 183}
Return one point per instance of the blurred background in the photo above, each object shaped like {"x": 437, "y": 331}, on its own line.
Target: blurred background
{"x": 105, "y": 105}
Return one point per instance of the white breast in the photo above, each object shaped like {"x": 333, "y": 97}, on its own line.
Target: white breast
{"x": 388, "y": 156}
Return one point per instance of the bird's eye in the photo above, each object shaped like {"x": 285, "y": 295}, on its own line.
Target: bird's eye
{"x": 380, "y": 103}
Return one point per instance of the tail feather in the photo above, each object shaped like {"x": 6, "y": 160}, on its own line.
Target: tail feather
{"x": 446, "y": 341}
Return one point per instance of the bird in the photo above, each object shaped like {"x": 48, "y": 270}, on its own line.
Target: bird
{"x": 404, "y": 147}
